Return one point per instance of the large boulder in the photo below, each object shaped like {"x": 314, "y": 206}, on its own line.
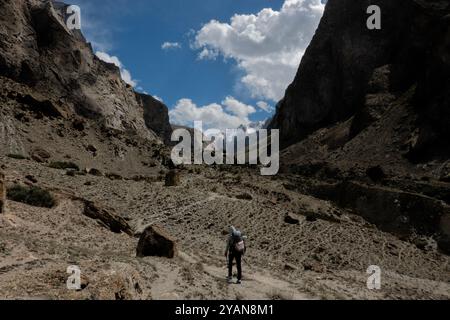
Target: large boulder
{"x": 156, "y": 242}
{"x": 40, "y": 155}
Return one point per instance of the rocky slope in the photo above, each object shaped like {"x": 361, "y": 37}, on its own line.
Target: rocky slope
{"x": 53, "y": 73}
{"x": 368, "y": 112}
{"x": 300, "y": 247}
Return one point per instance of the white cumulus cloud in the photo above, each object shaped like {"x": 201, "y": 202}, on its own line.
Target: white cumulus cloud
{"x": 171, "y": 45}
{"x": 238, "y": 108}
{"x": 229, "y": 115}
{"x": 125, "y": 74}
{"x": 264, "y": 106}
{"x": 267, "y": 46}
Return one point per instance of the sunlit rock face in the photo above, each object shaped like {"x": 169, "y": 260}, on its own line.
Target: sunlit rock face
{"x": 47, "y": 59}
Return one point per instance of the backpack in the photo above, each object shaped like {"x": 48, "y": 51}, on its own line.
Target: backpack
{"x": 238, "y": 244}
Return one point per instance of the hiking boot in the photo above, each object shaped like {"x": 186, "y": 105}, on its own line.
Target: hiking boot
{"x": 238, "y": 282}
{"x": 229, "y": 279}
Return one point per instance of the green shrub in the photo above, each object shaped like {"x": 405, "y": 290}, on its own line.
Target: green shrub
{"x": 64, "y": 165}
{"x": 32, "y": 196}
{"x": 16, "y": 156}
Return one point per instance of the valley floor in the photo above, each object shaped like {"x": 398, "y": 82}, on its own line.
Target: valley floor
{"x": 290, "y": 256}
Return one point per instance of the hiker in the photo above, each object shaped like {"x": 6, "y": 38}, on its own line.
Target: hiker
{"x": 235, "y": 250}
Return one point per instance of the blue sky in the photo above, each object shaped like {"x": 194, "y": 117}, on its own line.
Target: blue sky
{"x": 210, "y": 69}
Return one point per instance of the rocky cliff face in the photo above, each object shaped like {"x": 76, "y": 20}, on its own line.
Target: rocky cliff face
{"x": 55, "y": 70}
{"x": 369, "y": 112}
{"x": 156, "y": 116}
{"x": 334, "y": 76}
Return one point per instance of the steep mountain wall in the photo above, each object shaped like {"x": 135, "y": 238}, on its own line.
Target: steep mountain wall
{"x": 333, "y": 79}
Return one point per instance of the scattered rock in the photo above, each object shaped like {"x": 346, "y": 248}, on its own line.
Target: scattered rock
{"x": 37, "y": 158}
{"x": 40, "y": 154}
{"x": 315, "y": 266}
{"x": 95, "y": 172}
{"x": 444, "y": 175}
{"x": 155, "y": 241}
{"x": 106, "y": 217}
{"x": 244, "y": 196}
{"x": 289, "y": 186}
{"x": 16, "y": 156}
{"x": 311, "y": 217}
{"x": 148, "y": 179}
{"x": 63, "y": 165}
{"x": 91, "y": 148}
{"x": 173, "y": 178}
{"x": 70, "y": 173}
{"x": 114, "y": 176}
{"x": 376, "y": 174}
{"x": 425, "y": 243}
{"x": 31, "y": 178}
{"x": 322, "y": 215}
{"x": 78, "y": 124}
{"x": 291, "y": 219}
{"x": 290, "y": 267}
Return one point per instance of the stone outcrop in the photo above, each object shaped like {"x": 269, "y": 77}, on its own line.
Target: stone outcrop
{"x": 156, "y": 116}
{"x": 106, "y": 217}
{"x": 377, "y": 101}
{"x": 399, "y": 212}
{"x": 156, "y": 242}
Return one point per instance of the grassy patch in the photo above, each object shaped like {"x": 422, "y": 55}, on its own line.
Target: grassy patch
{"x": 62, "y": 165}
{"x": 32, "y": 196}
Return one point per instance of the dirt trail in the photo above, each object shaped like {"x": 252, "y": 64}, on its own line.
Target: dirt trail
{"x": 257, "y": 284}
